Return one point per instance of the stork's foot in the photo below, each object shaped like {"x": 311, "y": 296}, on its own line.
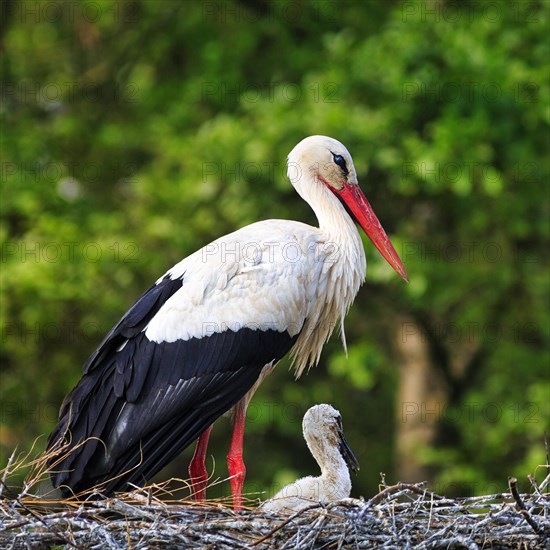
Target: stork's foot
{"x": 197, "y": 467}
{"x": 237, "y": 473}
{"x": 199, "y": 480}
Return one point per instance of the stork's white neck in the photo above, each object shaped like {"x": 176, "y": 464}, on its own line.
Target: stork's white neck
{"x": 333, "y": 219}
{"x": 334, "y": 471}
{"x": 345, "y": 275}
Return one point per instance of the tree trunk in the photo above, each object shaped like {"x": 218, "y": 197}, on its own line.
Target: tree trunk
{"x": 421, "y": 396}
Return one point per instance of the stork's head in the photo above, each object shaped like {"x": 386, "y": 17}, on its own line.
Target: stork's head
{"x": 324, "y": 161}
{"x": 323, "y": 158}
{"x": 322, "y": 426}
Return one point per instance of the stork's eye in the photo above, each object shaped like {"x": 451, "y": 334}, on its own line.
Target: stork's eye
{"x": 339, "y": 160}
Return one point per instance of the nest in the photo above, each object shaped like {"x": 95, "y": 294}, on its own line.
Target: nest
{"x": 399, "y": 516}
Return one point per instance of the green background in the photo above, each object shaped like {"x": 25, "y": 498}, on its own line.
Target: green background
{"x": 135, "y": 132}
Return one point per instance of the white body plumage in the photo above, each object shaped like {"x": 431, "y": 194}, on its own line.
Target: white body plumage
{"x": 275, "y": 274}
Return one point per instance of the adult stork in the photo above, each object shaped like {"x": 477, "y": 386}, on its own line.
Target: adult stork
{"x": 204, "y": 336}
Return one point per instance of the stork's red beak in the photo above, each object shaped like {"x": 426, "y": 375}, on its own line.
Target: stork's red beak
{"x": 364, "y": 214}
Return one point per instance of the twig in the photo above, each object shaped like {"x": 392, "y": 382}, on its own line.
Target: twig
{"x": 512, "y": 483}
{"x": 279, "y": 527}
{"x": 415, "y": 488}
{"x": 37, "y": 517}
{"x": 534, "y": 484}
{"x": 6, "y": 472}
{"x": 547, "y": 447}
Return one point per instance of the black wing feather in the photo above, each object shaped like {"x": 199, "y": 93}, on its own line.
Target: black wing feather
{"x": 140, "y": 403}
{"x": 135, "y": 319}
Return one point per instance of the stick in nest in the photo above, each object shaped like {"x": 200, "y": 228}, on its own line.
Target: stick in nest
{"x": 512, "y": 483}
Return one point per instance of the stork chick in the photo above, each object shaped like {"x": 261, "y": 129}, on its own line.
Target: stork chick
{"x": 324, "y": 435}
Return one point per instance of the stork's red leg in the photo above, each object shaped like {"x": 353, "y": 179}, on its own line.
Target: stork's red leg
{"x": 197, "y": 467}
{"x": 235, "y": 464}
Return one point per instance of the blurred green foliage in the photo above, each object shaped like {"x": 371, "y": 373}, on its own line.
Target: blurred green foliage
{"x": 134, "y": 132}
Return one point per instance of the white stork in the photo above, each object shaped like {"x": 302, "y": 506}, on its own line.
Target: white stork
{"x": 324, "y": 435}
{"x": 204, "y": 336}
